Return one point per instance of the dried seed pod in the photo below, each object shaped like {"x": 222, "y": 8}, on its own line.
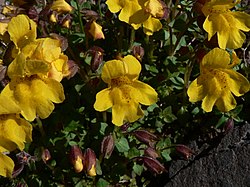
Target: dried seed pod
{"x": 185, "y": 151}
{"x": 46, "y": 155}
{"x": 151, "y": 152}
{"x": 145, "y": 137}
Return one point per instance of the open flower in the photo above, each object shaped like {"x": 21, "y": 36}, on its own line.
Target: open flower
{"x": 61, "y": 6}
{"x": 139, "y": 12}
{"x": 217, "y": 82}
{"x": 227, "y": 24}
{"x": 124, "y": 92}
{"x": 35, "y": 95}
{"x": 10, "y": 124}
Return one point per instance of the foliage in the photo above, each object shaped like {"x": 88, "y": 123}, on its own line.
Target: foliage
{"x": 75, "y": 145}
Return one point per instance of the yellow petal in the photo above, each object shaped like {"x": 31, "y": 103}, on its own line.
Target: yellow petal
{"x": 15, "y": 131}
{"x": 216, "y": 58}
{"x": 133, "y": 67}
{"x": 238, "y": 84}
{"x": 114, "y": 5}
{"x": 226, "y": 102}
{"x": 35, "y": 96}
{"x": 155, "y": 8}
{"x": 17, "y": 66}
{"x": 61, "y": 6}
{"x": 144, "y": 93}
{"x": 113, "y": 69}
{"x": 7, "y": 166}
{"x": 103, "y": 100}
{"x": 8, "y": 105}
{"x": 241, "y": 20}
{"x": 133, "y": 13}
{"x": 151, "y": 25}
{"x": 22, "y": 30}
{"x": 124, "y": 107}
{"x": 196, "y": 90}
{"x": 3, "y": 28}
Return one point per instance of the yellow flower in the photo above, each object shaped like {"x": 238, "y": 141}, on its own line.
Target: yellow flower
{"x": 217, "y": 82}
{"x": 41, "y": 57}
{"x": 139, "y": 12}
{"x": 61, "y": 6}
{"x": 35, "y": 95}
{"x": 124, "y": 92}
{"x": 15, "y": 131}
{"x": 227, "y": 24}
{"x": 22, "y": 30}
{"x": 7, "y": 165}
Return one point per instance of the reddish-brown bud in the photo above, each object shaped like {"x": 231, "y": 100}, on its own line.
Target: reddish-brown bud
{"x": 185, "y": 151}
{"x": 76, "y": 158}
{"x": 138, "y": 52}
{"x": 90, "y": 162}
{"x": 146, "y": 137}
{"x": 46, "y": 155}
{"x": 229, "y": 125}
{"x": 107, "y": 146}
{"x": 151, "y": 152}
{"x": 97, "y": 57}
{"x": 73, "y": 68}
{"x": 152, "y": 164}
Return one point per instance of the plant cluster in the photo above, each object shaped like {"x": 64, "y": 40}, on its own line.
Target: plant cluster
{"x": 106, "y": 93}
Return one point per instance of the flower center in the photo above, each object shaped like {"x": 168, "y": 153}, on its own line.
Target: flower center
{"x": 119, "y": 81}
{"x": 221, "y": 77}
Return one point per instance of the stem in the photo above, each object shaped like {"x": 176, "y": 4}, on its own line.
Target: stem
{"x": 40, "y": 126}
{"x": 79, "y": 16}
{"x": 132, "y": 38}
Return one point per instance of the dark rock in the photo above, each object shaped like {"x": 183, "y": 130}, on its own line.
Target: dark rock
{"x": 225, "y": 162}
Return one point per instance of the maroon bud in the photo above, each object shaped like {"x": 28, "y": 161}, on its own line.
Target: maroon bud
{"x": 229, "y": 125}
{"x": 90, "y": 14}
{"x": 125, "y": 127}
{"x": 97, "y": 57}
{"x": 107, "y": 146}
{"x": 146, "y": 137}
{"x": 138, "y": 52}
{"x": 46, "y": 155}
{"x": 152, "y": 164}
{"x": 166, "y": 10}
{"x": 185, "y": 151}
{"x": 63, "y": 40}
{"x": 76, "y": 158}
{"x": 90, "y": 162}
{"x": 151, "y": 152}
{"x": 73, "y": 68}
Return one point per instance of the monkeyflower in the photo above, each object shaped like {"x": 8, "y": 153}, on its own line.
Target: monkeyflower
{"x": 61, "y": 6}
{"x": 217, "y": 82}
{"x": 95, "y": 30}
{"x": 139, "y": 12}
{"x": 15, "y": 131}
{"x": 227, "y": 24}
{"x": 124, "y": 92}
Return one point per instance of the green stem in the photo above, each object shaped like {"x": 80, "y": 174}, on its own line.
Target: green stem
{"x": 132, "y": 38}
{"x": 40, "y": 126}
{"x": 79, "y": 16}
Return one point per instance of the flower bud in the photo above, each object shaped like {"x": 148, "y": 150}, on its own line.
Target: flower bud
{"x": 152, "y": 164}
{"x": 73, "y": 68}
{"x": 151, "y": 152}
{"x": 46, "y": 155}
{"x": 97, "y": 57}
{"x": 53, "y": 17}
{"x": 107, "y": 146}
{"x": 185, "y": 151}
{"x": 145, "y": 137}
{"x": 76, "y": 158}
{"x": 95, "y": 30}
{"x": 138, "y": 52}
{"x": 66, "y": 20}
{"x": 90, "y": 162}
{"x": 229, "y": 125}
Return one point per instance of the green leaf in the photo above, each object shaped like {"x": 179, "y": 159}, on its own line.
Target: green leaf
{"x": 122, "y": 145}
{"x": 138, "y": 169}
{"x": 102, "y": 183}
{"x": 166, "y": 154}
